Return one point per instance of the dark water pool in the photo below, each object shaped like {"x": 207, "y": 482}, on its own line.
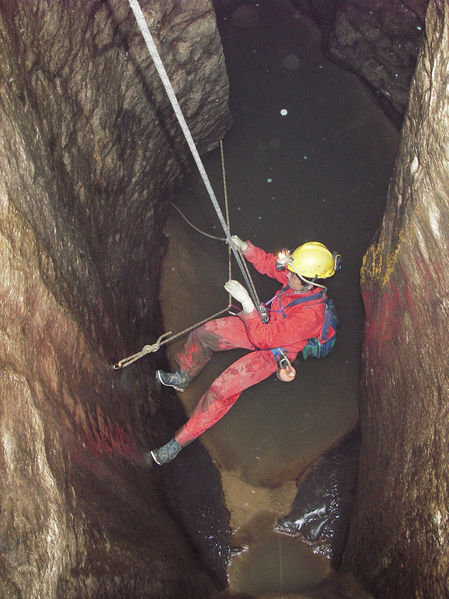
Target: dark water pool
{"x": 309, "y": 158}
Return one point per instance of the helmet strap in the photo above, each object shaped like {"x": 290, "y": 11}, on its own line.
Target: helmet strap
{"x": 308, "y": 282}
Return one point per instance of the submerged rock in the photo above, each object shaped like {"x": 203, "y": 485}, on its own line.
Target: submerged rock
{"x": 322, "y": 507}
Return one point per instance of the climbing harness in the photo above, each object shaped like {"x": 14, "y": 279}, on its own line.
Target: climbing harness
{"x": 321, "y": 346}
{"x": 299, "y": 300}
{"x": 141, "y": 21}
{"x": 317, "y": 347}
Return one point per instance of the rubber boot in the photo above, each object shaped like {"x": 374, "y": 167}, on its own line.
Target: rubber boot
{"x": 164, "y": 454}
{"x": 178, "y": 380}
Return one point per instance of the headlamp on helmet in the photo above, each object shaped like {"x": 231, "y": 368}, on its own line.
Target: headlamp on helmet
{"x": 284, "y": 257}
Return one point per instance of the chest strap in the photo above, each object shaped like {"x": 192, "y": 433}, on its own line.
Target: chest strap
{"x": 299, "y": 300}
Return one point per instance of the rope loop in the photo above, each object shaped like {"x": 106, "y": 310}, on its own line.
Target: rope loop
{"x": 147, "y": 349}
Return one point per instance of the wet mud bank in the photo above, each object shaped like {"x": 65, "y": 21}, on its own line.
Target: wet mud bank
{"x": 308, "y": 158}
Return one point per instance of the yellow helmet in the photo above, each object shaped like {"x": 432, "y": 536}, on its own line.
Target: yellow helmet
{"x": 313, "y": 260}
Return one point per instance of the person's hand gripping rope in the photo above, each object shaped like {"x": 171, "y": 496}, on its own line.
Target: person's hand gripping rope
{"x": 239, "y": 293}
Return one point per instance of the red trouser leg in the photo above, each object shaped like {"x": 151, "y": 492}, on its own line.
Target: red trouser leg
{"x": 216, "y": 335}
{"x": 224, "y": 392}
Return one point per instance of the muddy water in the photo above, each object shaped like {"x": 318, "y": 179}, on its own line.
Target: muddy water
{"x": 309, "y": 158}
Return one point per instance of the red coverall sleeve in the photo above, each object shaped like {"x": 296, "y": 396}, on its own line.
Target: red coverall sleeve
{"x": 265, "y": 263}
{"x": 300, "y": 325}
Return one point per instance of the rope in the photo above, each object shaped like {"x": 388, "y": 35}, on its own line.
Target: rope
{"x": 225, "y": 191}
{"x": 225, "y": 194}
{"x": 231, "y": 246}
{"x": 147, "y": 349}
{"x": 196, "y": 228}
{"x": 225, "y": 187}
{"x": 135, "y": 7}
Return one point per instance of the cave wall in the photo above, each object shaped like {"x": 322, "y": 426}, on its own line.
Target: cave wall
{"x": 400, "y": 530}
{"x": 377, "y": 40}
{"x": 90, "y": 152}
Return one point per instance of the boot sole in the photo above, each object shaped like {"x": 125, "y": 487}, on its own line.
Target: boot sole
{"x": 154, "y": 458}
{"x": 158, "y": 378}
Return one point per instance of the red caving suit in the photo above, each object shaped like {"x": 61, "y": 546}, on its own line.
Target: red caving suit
{"x": 301, "y": 322}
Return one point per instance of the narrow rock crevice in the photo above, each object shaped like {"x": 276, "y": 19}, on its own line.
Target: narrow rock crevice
{"x": 91, "y": 155}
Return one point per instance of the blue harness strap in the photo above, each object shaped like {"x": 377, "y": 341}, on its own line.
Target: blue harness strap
{"x": 278, "y": 353}
{"x": 299, "y": 300}
{"x": 306, "y": 298}
{"x": 328, "y": 318}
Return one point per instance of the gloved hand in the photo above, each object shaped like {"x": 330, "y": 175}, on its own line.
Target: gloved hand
{"x": 239, "y": 243}
{"x": 239, "y": 293}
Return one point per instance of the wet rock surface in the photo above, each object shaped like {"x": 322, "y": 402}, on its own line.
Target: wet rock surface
{"x": 400, "y": 531}
{"x": 86, "y": 111}
{"x": 323, "y": 504}
{"x": 377, "y": 40}
{"x": 193, "y": 490}
{"x": 89, "y": 155}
